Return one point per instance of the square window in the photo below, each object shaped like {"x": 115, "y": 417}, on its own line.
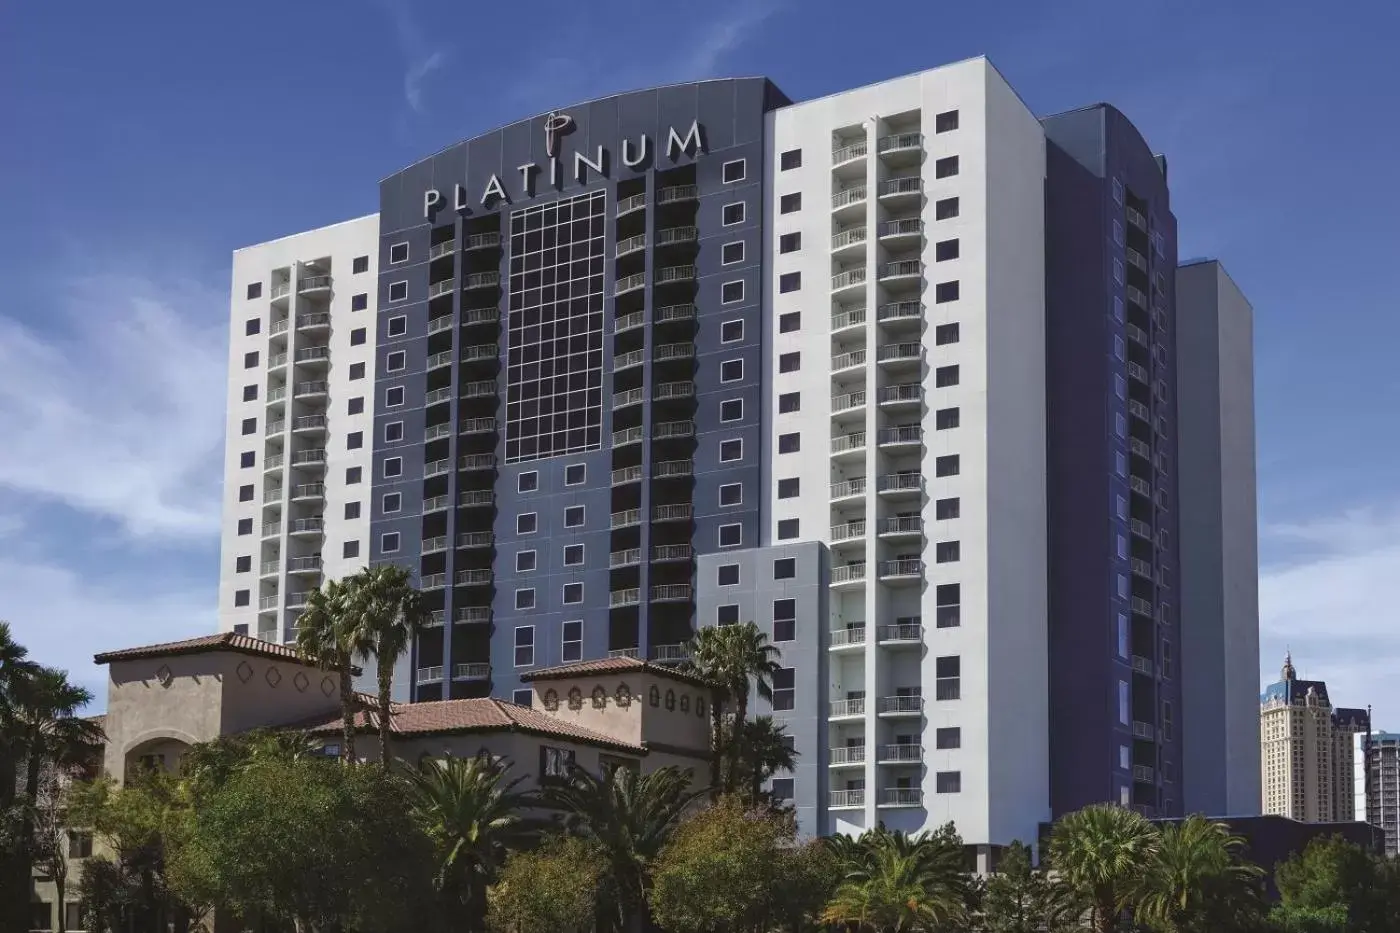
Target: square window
{"x": 352, "y": 511}
{"x": 789, "y": 488}
{"x": 254, "y": 290}
{"x": 789, "y": 282}
{"x": 572, "y": 638}
{"x": 250, "y": 359}
{"x": 731, "y": 410}
{"x": 389, "y": 542}
{"x": 728, "y": 575}
{"x": 945, "y": 291}
{"x": 245, "y": 493}
{"x": 357, "y": 371}
{"x": 945, "y": 167}
{"x": 945, "y": 250}
{"x": 352, "y": 475}
{"x": 728, "y": 615}
{"x": 393, "y": 431}
{"x": 947, "y": 466}
{"x": 573, "y": 594}
{"x": 945, "y": 418}
{"x": 250, "y": 426}
{"x": 947, "y": 782}
{"x": 784, "y": 688}
{"x": 391, "y": 503}
{"x": 359, "y": 302}
{"x": 947, "y": 552}
{"x": 245, "y": 526}
{"x": 359, "y": 264}
{"x": 733, "y": 214}
{"x": 789, "y": 242}
{"x": 243, "y": 564}
{"x": 731, "y": 451}
{"x": 789, "y": 402}
{"x": 946, "y": 333}
{"x": 250, "y": 393}
{"x": 575, "y": 474}
{"x": 790, "y": 203}
{"x": 731, "y": 494}
{"x": 945, "y": 376}
{"x": 522, "y": 697}
{"x": 785, "y": 610}
{"x": 782, "y": 789}
{"x": 253, "y": 326}
{"x": 526, "y": 523}
{"x": 350, "y": 549}
{"x": 734, "y": 170}
{"x": 787, "y": 529}
{"x": 731, "y": 253}
{"x": 397, "y": 326}
{"x": 398, "y": 253}
{"x": 790, "y": 322}
{"x": 573, "y": 555}
{"x": 355, "y": 406}
{"x": 241, "y": 597}
{"x": 945, "y": 509}
{"x": 731, "y": 292}
{"x": 790, "y": 160}
{"x": 731, "y": 331}
{"x": 528, "y": 481}
{"x": 393, "y": 397}
{"x": 790, "y": 362}
{"x": 948, "y": 737}
{"x": 731, "y": 535}
{"x": 247, "y": 458}
{"x": 945, "y": 209}
{"x": 525, "y": 599}
{"x": 789, "y": 443}
{"x": 731, "y": 370}
{"x": 354, "y": 440}
{"x": 945, "y": 121}
{"x": 393, "y": 466}
{"x": 785, "y": 568}
{"x": 398, "y": 291}
{"x": 573, "y": 516}
{"x": 396, "y": 361}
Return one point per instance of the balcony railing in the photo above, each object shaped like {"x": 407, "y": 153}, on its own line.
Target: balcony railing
{"x": 471, "y": 672}
{"x": 1139, "y": 373}
{"x": 477, "y": 498}
{"x": 274, "y": 461}
{"x": 629, "y": 321}
{"x": 313, "y": 354}
{"x": 281, "y": 290}
{"x": 680, "y": 512}
{"x": 437, "y": 431}
{"x": 312, "y": 320}
{"x": 1135, "y": 218}
{"x": 431, "y": 545}
{"x": 634, "y": 203}
{"x": 901, "y": 269}
{"x": 668, "y": 313}
{"x": 673, "y": 236}
{"x": 438, "y": 289}
{"x": 847, "y": 798}
{"x": 847, "y": 153}
{"x": 892, "y": 352}
{"x": 438, "y": 395}
{"x": 850, "y": 755}
{"x": 436, "y": 504}
{"x": 848, "y": 359}
{"x": 849, "y": 278}
{"x": 673, "y": 351}
{"x": 898, "y": 141}
{"x": 850, "y": 635}
{"x": 439, "y": 250}
{"x": 672, "y": 469}
{"x": 627, "y": 597}
{"x": 850, "y": 573}
{"x": 471, "y": 615}
{"x": 303, "y": 564}
{"x": 847, "y": 531}
{"x": 849, "y": 487}
{"x": 482, "y": 388}
{"x": 443, "y": 358}
{"x": 309, "y": 423}
{"x": 1141, "y": 448}
{"x": 674, "y": 390}
{"x": 627, "y": 436}
{"x": 847, "y": 197}
{"x": 625, "y": 519}
{"x": 897, "y": 311}
{"x": 675, "y": 274}
{"x": 1142, "y": 607}
{"x": 671, "y": 552}
{"x": 632, "y": 244}
{"x": 1140, "y": 486}
{"x": 275, "y": 427}
{"x": 1143, "y": 773}
{"x": 851, "y": 318}
{"x": 482, "y": 280}
{"x": 901, "y": 704}
{"x": 626, "y": 558}
{"x": 852, "y": 237}
{"x": 902, "y": 567}
{"x": 276, "y": 394}
{"x": 901, "y": 797}
{"x": 908, "y": 226}
{"x": 433, "y": 581}
{"x": 315, "y": 455}
{"x": 842, "y": 443}
{"x": 477, "y": 462}
{"x": 429, "y": 675}
{"x": 670, "y": 430}
{"x": 272, "y": 495}
{"x": 624, "y": 653}
{"x": 676, "y": 194}
{"x": 267, "y": 602}
{"x": 297, "y": 600}
{"x": 851, "y": 707}
{"x": 630, "y": 283}
{"x": 901, "y": 186}
{"x": 850, "y": 400}
{"x": 472, "y": 578}
{"x": 901, "y": 751}
{"x": 472, "y": 316}
{"x": 1140, "y": 528}
{"x": 278, "y": 327}
{"x": 313, "y": 283}
{"x": 907, "y": 392}
{"x": 271, "y": 528}
{"x": 631, "y": 474}
{"x": 478, "y": 425}
{"x": 902, "y": 632}
{"x": 901, "y": 482}
{"x": 627, "y": 397}
{"x": 1143, "y": 665}
{"x": 901, "y": 525}
{"x": 1143, "y": 730}
{"x": 475, "y": 539}
{"x": 628, "y": 360}
{"x": 436, "y": 467}
{"x": 670, "y": 654}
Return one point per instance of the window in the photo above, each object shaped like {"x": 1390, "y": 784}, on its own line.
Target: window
{"x": 245, "y": 493}
{"x": 731, "y": 494}
{"x": 572, "y": 638}
{"x": 947, "y": 466}
{"x": 247, "y": 458}
{"x": 789, "y": 443}
{"x": 398, "y": 253}
{"x": 947, "y": 672}
{"x": 785, "y": 568}
{"x": 731, "y": 410}
{"x": 948, "y": 596}
{"x": 784, "y": 619}
{"x": 555, "y": 763}
{"x": 524, "y": 561}
{"x": 356, "y": 405}
{"x": 946, "y": 209}
{"x": 731, "y": 331}
{"x": 945, "y": 250}
{"x": 352, "y": 475}
{"x": 789, "y": 488}
{"x": 1166, "y": 659}
{"x": 397, "y": 326}
{"x": 946, "y": 552}
{"x": 359, "y": 264}
{"x": 790, "y": 203}
{"x": 393, "y": 398}
{"x": 524, "y": 645}
{"x": 790, "y": 322}
{"x": 731, "y": 253}
{"x": 731, "y": 292}
{"x": 945, "y": 167}
{"x": 391, "y": 503}
{"x": 573, "y": 555}
{"x": 945, "y": 291}
{"x": 1123, "y": 712}
{"x": 944, "y": 509}
{"x": 253, "y": 326}
{"x": 731, "y": 535}
{"x": 393, "y": 431}
{"x": 731, "y": 451}
{"x": 357, "y": 371}
{"x": 1118, "y": 271}
{"x": 790, "y": 160}
{"x": 241, "y": 597}
{"x": 733, "y": 214}
{"x": 789, "y": 242}
{"x": 733, "y": 171}
{"x": 526, "y": 523}
{"x": 359, "y": 302}
{"x": 731, "y": 370}
{"x": 1117, "y": 191}
{"x": 573, "y": 594}
{"x": 395, "y": 361}
{"x": 1123, "y": 635}
{"x": 948, "y": 737}
{"x": 945, "y": 418}
{"x": 947, "y": 782}
{"x": 946, "y": 333}
{"x": 242, "y": 564}
{"x": 790, "y": 362}
{"x": 784, "y": 688}
{"x": 254, "y": 290}
{"x": 787, "y": 529}
{"x": 528, "y": 481}
{"x": 250, "y": 359}
{"x": 575, "y": 474}
{"x": 729, "y": 614}
{"x": 945, "y": 376}
{"x": 573, "y": 516}
{"x": 398, "y": 291}
{"x": 789, "y": 402}
{"x": 354, "y": 440}
{"x": 945, "y": 121}
{"x": 789, "y": 282}
{"x": 728, "y": 575}
{"x": 393, "y": 466}
{"x": 525, "y": 598}
{"x": 522, "y": 697}
{"x": 350, "y": 549}
{"x": 352, "y": 511}
{"x": 782, "y": 791}
{"x": 245, "y": 526}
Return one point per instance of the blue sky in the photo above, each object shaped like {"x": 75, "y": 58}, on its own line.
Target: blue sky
{"x": 142, "y": 143}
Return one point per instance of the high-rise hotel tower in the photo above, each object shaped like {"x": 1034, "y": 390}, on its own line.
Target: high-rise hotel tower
{"x": 891, "y": 373}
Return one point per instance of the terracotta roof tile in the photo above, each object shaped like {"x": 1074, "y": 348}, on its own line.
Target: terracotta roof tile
{"x": 223, "y": 641}
{"x": 613, "y": 666}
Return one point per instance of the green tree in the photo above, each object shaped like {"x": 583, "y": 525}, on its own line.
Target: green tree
{"x": 1334, "y": 881}
{"x": 1102, "y": 853}
{"x": 628, "y": 817}
{"x": 1022, "y": 899}
{"x": 1198, "y": 882}
{"x": 384, "y": 612}
{"x": 553, "y": 889}
{"x": 326, "y": 636}
{"x": 473, "y": 817}
{"x": 895, "y": 883}
{"x": 708, "y": 659}
{"x": 762, "y": 751}
{"x": 737, "y": 658}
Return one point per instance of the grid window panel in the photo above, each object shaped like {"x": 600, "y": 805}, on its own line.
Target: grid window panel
{"x": 554, "y": 365}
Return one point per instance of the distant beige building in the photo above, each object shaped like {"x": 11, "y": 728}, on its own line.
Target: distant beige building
{"x": 1306, "y": 752}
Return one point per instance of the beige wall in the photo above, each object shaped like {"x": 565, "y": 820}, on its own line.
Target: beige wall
{"x": 660, "y": 711}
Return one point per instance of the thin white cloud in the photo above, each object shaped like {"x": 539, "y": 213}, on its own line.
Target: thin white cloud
{"x": 116, "y": 406}
{"x": 413, "y": 80}
{"x": 421, "y": 59}
{"x": 725, "y": 35}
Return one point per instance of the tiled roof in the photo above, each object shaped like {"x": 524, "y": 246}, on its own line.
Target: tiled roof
{"x": 477, "y": 715}
{"x": 613, "y": 666}
{"x": 224, "y": 641}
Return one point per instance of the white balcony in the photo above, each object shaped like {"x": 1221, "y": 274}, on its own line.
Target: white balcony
{"x": 636, "y": 202}
{"x": 436, "y": 504}
{"x": 309, "y": 565}
{"x": 1140, "y": 528}
{"x": 900, "y": 355}
{"x": 313, "y": 356}
{"x": 849, "y": 575}
{"x": 273, "y": 462}
{"x": 304, "y": 527}
{"x": 901, "y": 396}
{"x": 434, "y": 545}
{"x": 439, "y": 250}
{"x": 312, "y": 458}
{"x": 280, "y": 290}
{"x": 673, "y": 351}
{"x": 901, "y": 272}
{"x": 901, "y": 706}
{"x": 429, "y": 675}
{"x": 439, "y": 360}
{"x": 482, "y": 241}
{"x": 1143, "y": 665}
{"x": 848, "y": 446}
{"x": 848, "y": 242}
{"x": 315, "y": 320}
{"x": 310, "y": 424}
{"x": 433, "y": 581}
{"x": 629, "y": 322}
{"x": 901, "y": 148}
{"x": 436, "y": 468}
{"x": 900, "y": 634}
{"x": 671, "y": 553}
{"x": 482, "y": 280}
{"x": 848, "y": 489}
{"x": 476, "y": 463}
{"x": 310, "y": 389}
{"x": 267, "y": 602}
{"x": 631, "y": 596}
{"x": 1143, "y": 773}
{"x": 677, "y": 194}
{"x": 633, "y": 244}
{"x": 482, "y": 388}
{"x": 846, "y": 800}
{"x": 437, "y": 432}
{"x": 472, "y": 615}
{"x": 900, "y": 485}
{"x": 850, "y": 280}
{"x": 895, "y": 315}
{"x": 628, "y": 360}
{"x": 901, "y": 797}
{"x": 1143, "y": 730}
{"x": 901, "y": 189}
{"x": 313, "y": 283}
{"x": 849, "y": 638}
{"x": 669, "y": 314}
{"x": 901, "y": 570}
{"x": 471, "y": 672}
{"x": 625, "y": 475}
{"x": 849, "y": 402}
{"x": 671, "y": 430}
{"x": 849, "y": 202}
{"x": 675, "y": 274}
{"x": 852, "y": 153}
{"x": 907, "y": 228}
{"x": 439, "y": 289}
{"x": 625, "y": 519}
{"x": 900, "y": 753}
{"x": 852, "y": 359}
{"x": 472, "y": 317}
{"x": 681, "y": 512}
{"x": 630, "y": 557}
{"x": 666, "y": 391}
{"x": 672, "y": 469}
{"x": 627, "y": 436}
{"x": 627, "y": 398}
{"x": 847, "y": 757}
{"x": 670, "y": 654}
{"x": 473, "y": 540}
{"x": 624, "y": 653}
{"x": 901, "y": 528}
{"x": 472, "y": 578}
{"x": 677, "y": 236}
{"x": 847, "y": 709}
{"x": 848, "y": 531}
{"x": 477, "y": 498}
{"x": 852, "y": 319}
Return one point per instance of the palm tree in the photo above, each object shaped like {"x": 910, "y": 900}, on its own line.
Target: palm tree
{"x": 325, "y": 637}
{"x": 1103, "y": 853}
{"x": 629, "y": 817}
{"x": 472, "y": 815}
{"x": 1198, "y": 881}
{"x": 895, "y": 883}
{"x": 763, "y": 752}
{"x": 386, "y": 611}
{"x": 734, "y": 657}
{"x": 708, "y": 658}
